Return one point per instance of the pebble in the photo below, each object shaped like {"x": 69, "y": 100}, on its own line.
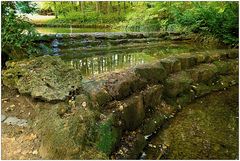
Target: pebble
{"x": 35, "y": 152}
{"x": 15, "y": 121}
{"x": 120, "y": 107}
{"x": 8, "y": 109}
{"x": 5, "y": 100}
{"x": 3, "y": 117}
{"x": 12, "y": 105}
{"x": 17, "y": 96}
{"x": 84, "y": 104}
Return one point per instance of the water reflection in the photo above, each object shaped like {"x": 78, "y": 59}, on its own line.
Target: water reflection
{"x": 101, "y": 64}
{"x": 107, "y": 61}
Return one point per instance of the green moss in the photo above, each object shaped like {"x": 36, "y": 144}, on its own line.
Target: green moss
{"x": 177, "y": 84}
{"x": 64, "y": 137}
{"x": 108, "y": 136}
{"x": 205, "y": 129}
{"x": 48, "y": 78}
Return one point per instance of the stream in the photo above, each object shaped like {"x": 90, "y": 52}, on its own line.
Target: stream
{"x": 205, "y": 129}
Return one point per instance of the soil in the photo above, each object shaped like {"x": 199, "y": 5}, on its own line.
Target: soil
{"x": 18, "y": 142}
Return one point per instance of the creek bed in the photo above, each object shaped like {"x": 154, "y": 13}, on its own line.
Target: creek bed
{"x": 205, "y": 129}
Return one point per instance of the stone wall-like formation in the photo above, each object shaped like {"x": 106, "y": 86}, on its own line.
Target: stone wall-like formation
{"x": 63, "y": 43}
{"x": 132, "y": 104}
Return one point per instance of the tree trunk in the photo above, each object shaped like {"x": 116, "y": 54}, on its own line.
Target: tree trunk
{"x": 119, "y": 10}
{"x": 55, "y": 8}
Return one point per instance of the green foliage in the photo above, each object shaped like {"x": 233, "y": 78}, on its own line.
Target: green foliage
{"x": 17, "y": 33}
{"x": 218, "y": 19}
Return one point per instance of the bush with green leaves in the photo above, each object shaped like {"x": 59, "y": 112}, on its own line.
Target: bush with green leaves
{"x": 217, "y": 19}
{"x": 17, "y": 33}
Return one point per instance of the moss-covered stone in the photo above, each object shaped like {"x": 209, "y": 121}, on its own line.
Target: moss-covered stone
{"x": 93, "y": 154}
{"x": 171, "y": 64}
{"x": 185, "y": 98}
{"x": 121, "y": 85}
{"x": 46, "y": 77}
{"x": 214, "y": 56}
{"x": 222, "y": 67}
{"x": 151, "y": 72}
{"x": 187, "y": 60}
{"x": 224, "y": 82}
{"x": 234, "y": 53}
{"x": 152, "y": 123}
{"x": 200, "y": 57}
{"x": 207, "y": 72}
{"x": 201, "y": 89}
{"x": 131, "y": 146}
{"x": 97, "y": 92}
{"x": 177, "y": 83}
{"x": 83, "y": 101}
{"x": 108, "y": 135}
{"x": 152, "y": 96}
{"x": 64, "y": 137}
{"x": 133, "y": 112}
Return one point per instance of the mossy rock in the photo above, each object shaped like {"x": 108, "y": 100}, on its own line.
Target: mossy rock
{"x": 133, "y": 112}
{"x": 64, "y": 136}
{"x": 152, "y": 96}
{"x": 152, "y": 123}
{"x": 120, "y": 85}
{"x": 97, "y": 92}
{"x": 224, "y": 82}
{"x": 151, "y": 72}
{"x": 201, "y": 89}
{"x": 132, "y": 144}
{"x": 187, "y": 60}
{"x": 177, "y": 83}
{"x": 48, "y": 78}
{"x": 234, "y": 53}
{"x": 171, "y": 64}
{"x": 108, "y": 135}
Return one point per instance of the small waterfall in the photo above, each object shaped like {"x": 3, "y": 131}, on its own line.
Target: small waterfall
{"x": 55, "y": 45}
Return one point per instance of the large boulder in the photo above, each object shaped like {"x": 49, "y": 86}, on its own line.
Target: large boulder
{"x": 48, "y": 78}
{"x": 122, "y": 84}
{"x": 151, "y": 72}
{"x": 152, "y": 96}
{"x": 109, "y": 134}
{"x": 97, "y": 92}
{"x": 171, "y": 64}
{"x": 67, "y": 134}
{"x": 132, "y": 112}
{"x": 177, "y": 83}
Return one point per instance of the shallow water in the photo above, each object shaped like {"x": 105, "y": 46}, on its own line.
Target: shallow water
{"x": 55, "y": 30}
{"x": 101, "y": 61}
{"x": 205, "y": 129}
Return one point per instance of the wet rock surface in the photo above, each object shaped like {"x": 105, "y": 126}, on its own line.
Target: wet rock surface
{"x": 47, "y": 78}
{"x": 205, "y": 129}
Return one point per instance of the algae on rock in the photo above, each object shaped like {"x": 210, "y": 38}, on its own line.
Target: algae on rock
{"x": 46, "y": 77}
{"x": 67, "y": 136}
